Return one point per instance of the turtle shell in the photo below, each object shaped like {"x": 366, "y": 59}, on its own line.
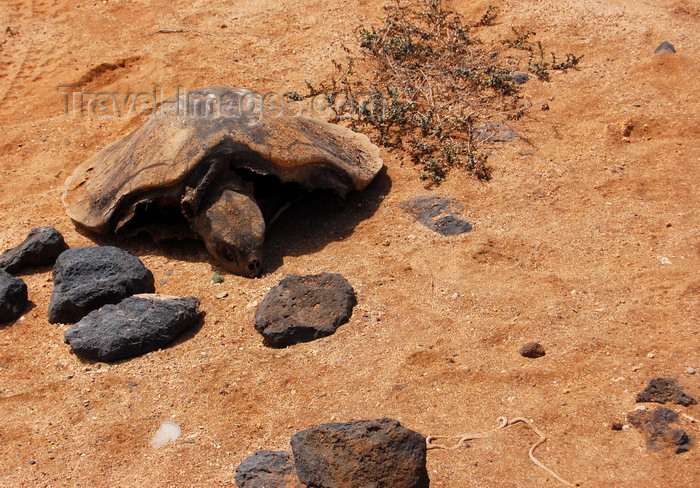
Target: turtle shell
{"x": 175, "y": 148}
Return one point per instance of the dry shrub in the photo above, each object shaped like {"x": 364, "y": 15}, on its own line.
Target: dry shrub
{"x": 424, "y": 83}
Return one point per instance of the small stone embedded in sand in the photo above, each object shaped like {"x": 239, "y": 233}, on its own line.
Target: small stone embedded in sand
{"x": 663, "y": 390}
{"x": 41, "y": 247}
{"x": 495, "y": 132}
{"x": 655, "y": 425}
{"x": 532, "y": 350}
{"x": 664, "y": 47}
{"x": 167, "y": 432}
{"x": 13, "y": 297}
{"x": 438, "y": 214}
{"x": 520, "y": 77}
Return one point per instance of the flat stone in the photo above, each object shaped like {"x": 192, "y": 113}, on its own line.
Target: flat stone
{"x": 361, "y": 454}
{"x": 664, "y": 390}
{"x": 655, "y": 425}
{"x": 664, "y": 47}
{"x": 519, "y": 77}
{"x": 13, "y": 297}
{"x": 135, "y": 326}
{"x": 41, "y": 247}
{"x": 86, "y": 278}
{"x": 532, "y": 350}
{"x": 267, "y": 469}
{"x": 439, "y": 214}
{"x": 304, "y": 308}
{"x": 495, "y": 132}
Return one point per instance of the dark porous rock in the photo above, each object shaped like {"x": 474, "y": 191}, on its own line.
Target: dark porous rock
{"x": 362, "y": 454}
{"x": 85, "y": 278}
{"x": 438, "y": 214}
{"x": 664, "y": 47}
{"x": 267, "y": 469}
{"x": 304, "y": 308}
{"x": 13, "y": 297}
{"x": 41, "y": 247}
{"x": 663, "y": 390}
{"x": 655, "y": 425}
{"x": 137, "y": 325}
{"x": 532, "y": 350}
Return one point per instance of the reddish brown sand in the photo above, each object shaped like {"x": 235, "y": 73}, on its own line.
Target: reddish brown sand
{"x": 567, "y": 250}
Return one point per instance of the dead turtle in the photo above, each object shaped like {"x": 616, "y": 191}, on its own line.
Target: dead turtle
{"x": 197, "y": 159}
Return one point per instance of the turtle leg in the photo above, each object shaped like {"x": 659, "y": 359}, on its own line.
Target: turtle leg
{"x": 279, "y": 211}
{"x": 192, "y": 197}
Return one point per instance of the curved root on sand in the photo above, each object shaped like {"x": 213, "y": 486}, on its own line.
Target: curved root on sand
{"x": 503, "y": 423}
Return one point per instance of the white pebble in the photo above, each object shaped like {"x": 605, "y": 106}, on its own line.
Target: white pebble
{"x": 167, "y": 432}
{"x": 690, "y": 370}
{"x": 222, "y": 295}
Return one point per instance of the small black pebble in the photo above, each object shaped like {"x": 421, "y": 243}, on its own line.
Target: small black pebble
{"x": 132, "y": 384}
{"x": 616, "y": 426}
{"x": 32, "y": 462}
{"x": 532, "y": 350}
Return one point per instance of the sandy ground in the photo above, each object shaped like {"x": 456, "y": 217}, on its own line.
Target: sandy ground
{"x": 566, "y": 250}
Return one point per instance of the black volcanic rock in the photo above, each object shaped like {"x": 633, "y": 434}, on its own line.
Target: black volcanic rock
{"x": 13, "y": 297}
{"x": 86, "y": 278}
{"x": 41, "y": 247}
{"x": 267, "y": 469}
{"x": 137, "y": 325}
{"x": 655, "y": 424}
{"x": 304, "y": 308}
{"x": 362, "y": 454}
{"x": 663, "y": 390}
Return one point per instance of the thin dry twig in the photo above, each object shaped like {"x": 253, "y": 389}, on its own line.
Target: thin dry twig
{"x": 178, "y": 31}
{"x": 503, "y": 422}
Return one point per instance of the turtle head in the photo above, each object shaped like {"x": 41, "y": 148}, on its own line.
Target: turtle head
{"x": 233, "y": 230}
